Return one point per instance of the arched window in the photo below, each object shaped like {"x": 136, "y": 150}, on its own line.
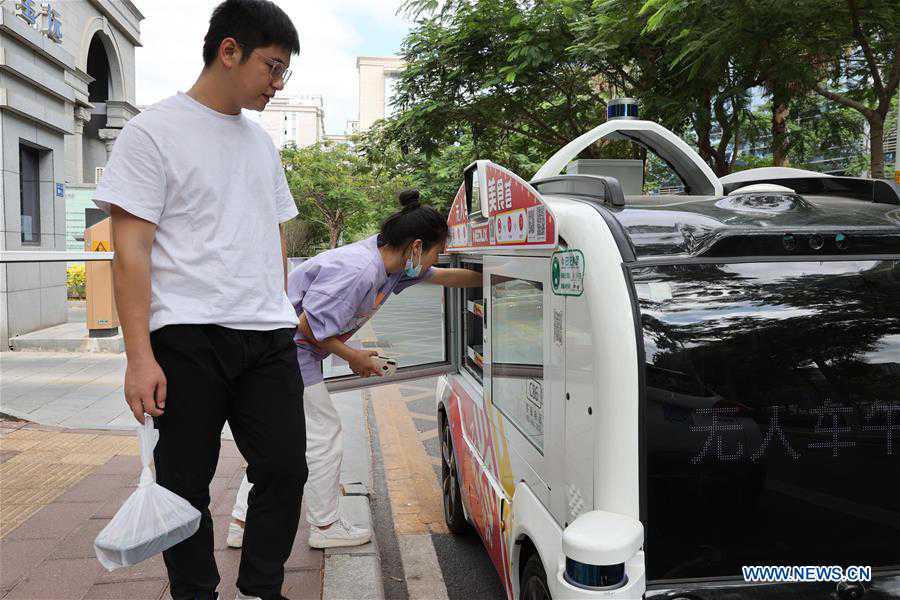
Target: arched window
{"x": 98, "y": 68}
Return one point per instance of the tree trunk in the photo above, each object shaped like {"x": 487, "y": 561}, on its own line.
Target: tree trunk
{"x": 705, "y": 152}
{"x": 703, "y": 128}
{"x": 722, "y": 166}
{"x": 876, "y": 146}
{"x": 780, "y": 114}
{"x": 335, "y": 233}
{"x": 734, "y": 152}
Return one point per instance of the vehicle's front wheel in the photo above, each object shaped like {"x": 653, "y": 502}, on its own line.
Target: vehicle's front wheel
{"x": 534, "y": 580}
{"x": 453, "y": 509}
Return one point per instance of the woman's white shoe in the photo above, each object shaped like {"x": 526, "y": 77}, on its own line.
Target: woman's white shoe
{"x": 341, "y": 533}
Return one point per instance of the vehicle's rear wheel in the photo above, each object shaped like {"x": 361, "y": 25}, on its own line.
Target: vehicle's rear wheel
{"x": 453, "y": 509}
{"x": 534, "y": 580}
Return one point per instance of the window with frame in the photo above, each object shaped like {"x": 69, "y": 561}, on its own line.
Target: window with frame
{"x": 517, "y": 354}
{"x": 473, "y": 310}
{"x": 763, "y": 377}
{"x": 475, "y": 208}
{"x": 29, "y": 194}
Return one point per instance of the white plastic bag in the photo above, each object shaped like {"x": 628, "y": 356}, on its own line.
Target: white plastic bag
{"x": 153, "y": 519}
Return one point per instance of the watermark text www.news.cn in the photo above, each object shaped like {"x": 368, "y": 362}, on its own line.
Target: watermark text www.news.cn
{"x": 795, "y": 574}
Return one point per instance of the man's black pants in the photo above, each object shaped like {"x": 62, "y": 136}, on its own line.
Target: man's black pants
{"x": 251, "y": 379}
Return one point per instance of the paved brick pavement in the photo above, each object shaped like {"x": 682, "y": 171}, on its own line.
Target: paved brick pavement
{"x": 59, "y": 488}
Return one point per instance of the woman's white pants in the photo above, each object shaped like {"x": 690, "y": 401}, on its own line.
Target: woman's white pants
{"x": 324, "y": 452}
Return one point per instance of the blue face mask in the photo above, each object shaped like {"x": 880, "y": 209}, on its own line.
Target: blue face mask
{"x": 412, "y": 270}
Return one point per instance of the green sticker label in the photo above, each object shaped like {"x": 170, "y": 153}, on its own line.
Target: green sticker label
{"x": 567, "y": 273}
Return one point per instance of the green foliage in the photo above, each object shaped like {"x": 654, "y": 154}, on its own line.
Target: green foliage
{"x": 75, "y": 282}
{"x": 339, "y": 196}
{"x": 842, "y": 50}
{"x": 658, "y": 175}
{"x": 513, "y": 81}
{"x": 438, "y": 175}
{"x": 821, "y": 128}
{"x": 821, "y": 136}
{"x": 891, "y": 125}
{"x": 304, "y": 238}
{"x": 497, "y": 72}
{"x": 751, "y": 161}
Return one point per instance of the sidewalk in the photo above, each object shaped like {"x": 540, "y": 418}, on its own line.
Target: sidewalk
{"x": 60, "y": 488}
{"x": 63, "y": 476}
{"x": 71, "y": 390}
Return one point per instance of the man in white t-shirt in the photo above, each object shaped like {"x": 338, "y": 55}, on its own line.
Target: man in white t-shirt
{"x": 197, "y": 194}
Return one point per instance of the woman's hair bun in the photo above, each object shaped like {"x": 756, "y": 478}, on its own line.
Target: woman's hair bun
{"x": 409, "y": 198}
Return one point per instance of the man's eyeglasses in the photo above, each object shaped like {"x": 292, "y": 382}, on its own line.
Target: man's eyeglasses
{"x": 279, "y": 71}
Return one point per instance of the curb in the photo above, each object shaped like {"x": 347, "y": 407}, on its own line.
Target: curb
{"x": 110, "y": 345}
{"x": 354, "y": 573}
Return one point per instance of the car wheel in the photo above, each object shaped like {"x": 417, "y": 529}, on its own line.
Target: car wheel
{"x": 453, "y": 509}
{"x": 534, "y": 580}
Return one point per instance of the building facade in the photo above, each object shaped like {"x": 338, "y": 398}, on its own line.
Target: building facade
{"x": 377, "y": 78}
{"x": 298, "y": 120}
{"x": 67, "y": 87}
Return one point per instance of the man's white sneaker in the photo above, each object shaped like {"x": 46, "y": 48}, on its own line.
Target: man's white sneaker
{"x": 240, "y": 596}
{"x": 235, "y": 537}
{"x": 341, "y": 533}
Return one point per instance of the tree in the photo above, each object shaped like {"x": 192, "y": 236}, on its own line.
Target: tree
{"x": 513, "y": 81}
{"x": 336, "y": 193}
{"x": 498, "y": 72}
{"x": 303, "y": 238}
{"x": 844, "y": 50}
{"x": 437, "y": 176}
{"x": 863, "y": 70}
{"x": 820, "y": 136}
{"x": 825, "y": 131}
{"x": 743, "y": 45}
{"x": 891, "y": 125}
{"x": 640, "y": 52}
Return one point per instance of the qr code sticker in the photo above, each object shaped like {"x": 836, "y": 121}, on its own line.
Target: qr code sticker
{"x": 537, "y": 224}
{"x": 535, "y": 392}
{"x": 558, "y": 327}
{"x": 540, "y": 218}
{"x": 534, "y": 417}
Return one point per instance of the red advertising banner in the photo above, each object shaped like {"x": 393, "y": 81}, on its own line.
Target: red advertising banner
{"x": 517, "y": 216}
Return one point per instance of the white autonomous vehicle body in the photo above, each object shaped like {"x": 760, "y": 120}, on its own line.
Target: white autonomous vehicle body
{"x": 652, "y": 392}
